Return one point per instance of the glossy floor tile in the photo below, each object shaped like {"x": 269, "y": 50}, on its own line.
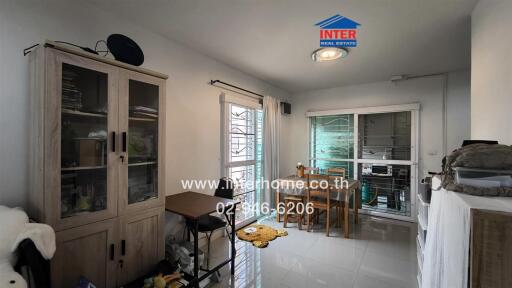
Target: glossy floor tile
{"x": 379, "y": 254}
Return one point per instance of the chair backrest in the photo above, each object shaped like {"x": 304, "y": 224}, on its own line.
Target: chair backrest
{"x": 225, "y": 189}
{"x": 337, "y": 171}
{"x": 318, "y": 186}
{"x": 309, "y": 170}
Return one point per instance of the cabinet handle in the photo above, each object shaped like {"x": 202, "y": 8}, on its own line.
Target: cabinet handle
{"x": 113, "y": 141}
{"x": 123, "y": 247}
{"x": 124, "y": 141}
{"x": 112, "y": 249}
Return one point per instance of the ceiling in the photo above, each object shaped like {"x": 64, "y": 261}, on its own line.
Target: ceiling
{"x": 273, "y": 39}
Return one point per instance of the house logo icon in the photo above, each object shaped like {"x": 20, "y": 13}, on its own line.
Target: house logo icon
{"x": 338, "y": 31}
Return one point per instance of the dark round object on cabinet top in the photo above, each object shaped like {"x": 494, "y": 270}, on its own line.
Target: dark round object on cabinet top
{"x": 125, "y": 49}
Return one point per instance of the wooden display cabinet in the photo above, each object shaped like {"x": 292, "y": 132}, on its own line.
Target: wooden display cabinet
{"x": 97, "y": 156}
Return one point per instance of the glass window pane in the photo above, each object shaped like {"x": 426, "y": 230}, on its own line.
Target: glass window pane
{"x": 244, "y": 179}
{"x": 385, "y": 136}
{"x": 245, "y": 211}
{"x": 245, "y": 190}
{"x": 332, "y": 137}
{"x": 142, "y": 141}
{"x": 242, "y": 133}
{"x": 84, "y": 129}
{"x": 386, "y": 188}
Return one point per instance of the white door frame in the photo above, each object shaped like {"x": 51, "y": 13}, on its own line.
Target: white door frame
{"x": 246, "y": 102}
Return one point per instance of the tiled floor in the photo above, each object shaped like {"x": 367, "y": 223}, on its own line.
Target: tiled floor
{"x": 380, "y": 254}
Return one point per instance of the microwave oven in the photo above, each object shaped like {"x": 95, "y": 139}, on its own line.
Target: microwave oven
{"x": 377, "y": 170}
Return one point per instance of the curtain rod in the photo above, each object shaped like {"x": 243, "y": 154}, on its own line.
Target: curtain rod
{"x": 213, "y": 82}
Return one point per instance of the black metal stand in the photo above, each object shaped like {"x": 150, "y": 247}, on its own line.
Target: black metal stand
{"x": 230, "y": 216}
{"x": 233, "y": 235}
{"x": 196, "y": 254}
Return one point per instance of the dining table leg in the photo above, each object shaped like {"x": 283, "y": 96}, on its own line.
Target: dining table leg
{"x": 196, "y": 254}
{"x": 346, "y": 218}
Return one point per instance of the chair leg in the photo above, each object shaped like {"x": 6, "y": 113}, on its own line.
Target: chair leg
{"x": 285, "y": 222}
{"x": 299, "y": 222}
{"x": 299, "y": 216}
{"x": 308, "y": 222}
{"x": 337, "y": 214}
{"x": 208, "y": 238}
{"x": 328, "y": 216}
{"x": 228, "y": 233}
{"x": 278, "y": 216}
{"x": 340, "y": 215}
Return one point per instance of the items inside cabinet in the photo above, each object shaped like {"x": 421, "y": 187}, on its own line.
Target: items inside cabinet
{"x": 142, "y": 141}
{"x": 84, "y": 126}
{"x": 83, "y": 191}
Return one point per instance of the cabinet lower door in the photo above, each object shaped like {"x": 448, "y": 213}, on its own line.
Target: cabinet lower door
{"x": 87, "y": 251}
{"x": 142, "y": 244}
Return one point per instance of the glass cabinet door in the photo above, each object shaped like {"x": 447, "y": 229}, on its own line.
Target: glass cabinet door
{"x": 87, "y": 97}
{"x": 141, "y": 141}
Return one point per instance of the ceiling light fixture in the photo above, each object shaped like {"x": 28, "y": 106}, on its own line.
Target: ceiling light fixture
{"x": 328, "y": 54}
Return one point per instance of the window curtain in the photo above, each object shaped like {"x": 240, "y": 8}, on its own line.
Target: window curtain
{"x": 271, "y": 132}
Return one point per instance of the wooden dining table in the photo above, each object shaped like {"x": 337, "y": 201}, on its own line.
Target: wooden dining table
{"x": 290, "y": 186}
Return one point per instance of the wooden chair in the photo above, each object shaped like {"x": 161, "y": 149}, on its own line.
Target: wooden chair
{"x": 318, "y": 194}
{"x": 338, "y": 172}
{"x": 310, "y": 170}
{"x": 295, "y": 199}
{"x": 290, "y": 210}
{"x": 342, "y": 172}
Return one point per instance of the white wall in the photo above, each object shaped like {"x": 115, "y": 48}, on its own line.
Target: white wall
{"x": 491, "y": 71}
{"x": 427, "y": 91}
{"x": 193, "y": 125}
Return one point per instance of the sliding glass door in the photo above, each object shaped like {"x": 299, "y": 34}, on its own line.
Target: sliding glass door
{"x": 384, "y": 162}
{"x": 243, "y": 157}
{"x": 376, "y": 146}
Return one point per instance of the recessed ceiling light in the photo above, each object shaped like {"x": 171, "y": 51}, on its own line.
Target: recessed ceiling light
{"x": 328, "y": 54}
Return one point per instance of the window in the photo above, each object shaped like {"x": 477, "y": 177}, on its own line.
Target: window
{"x": 385, "y": 136}
{"x": 332, "y": 142}
{"x": 243, "y": 156}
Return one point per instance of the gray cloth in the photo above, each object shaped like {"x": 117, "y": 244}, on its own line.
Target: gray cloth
{"x": 483, "y": 156}
{"x": 497, "y": 157}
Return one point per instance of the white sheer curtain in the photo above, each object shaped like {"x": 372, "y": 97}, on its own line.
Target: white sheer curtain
{"x": 271, "y": 130}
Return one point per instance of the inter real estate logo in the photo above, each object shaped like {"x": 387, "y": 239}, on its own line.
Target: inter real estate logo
{"x": 338, "y": 31}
